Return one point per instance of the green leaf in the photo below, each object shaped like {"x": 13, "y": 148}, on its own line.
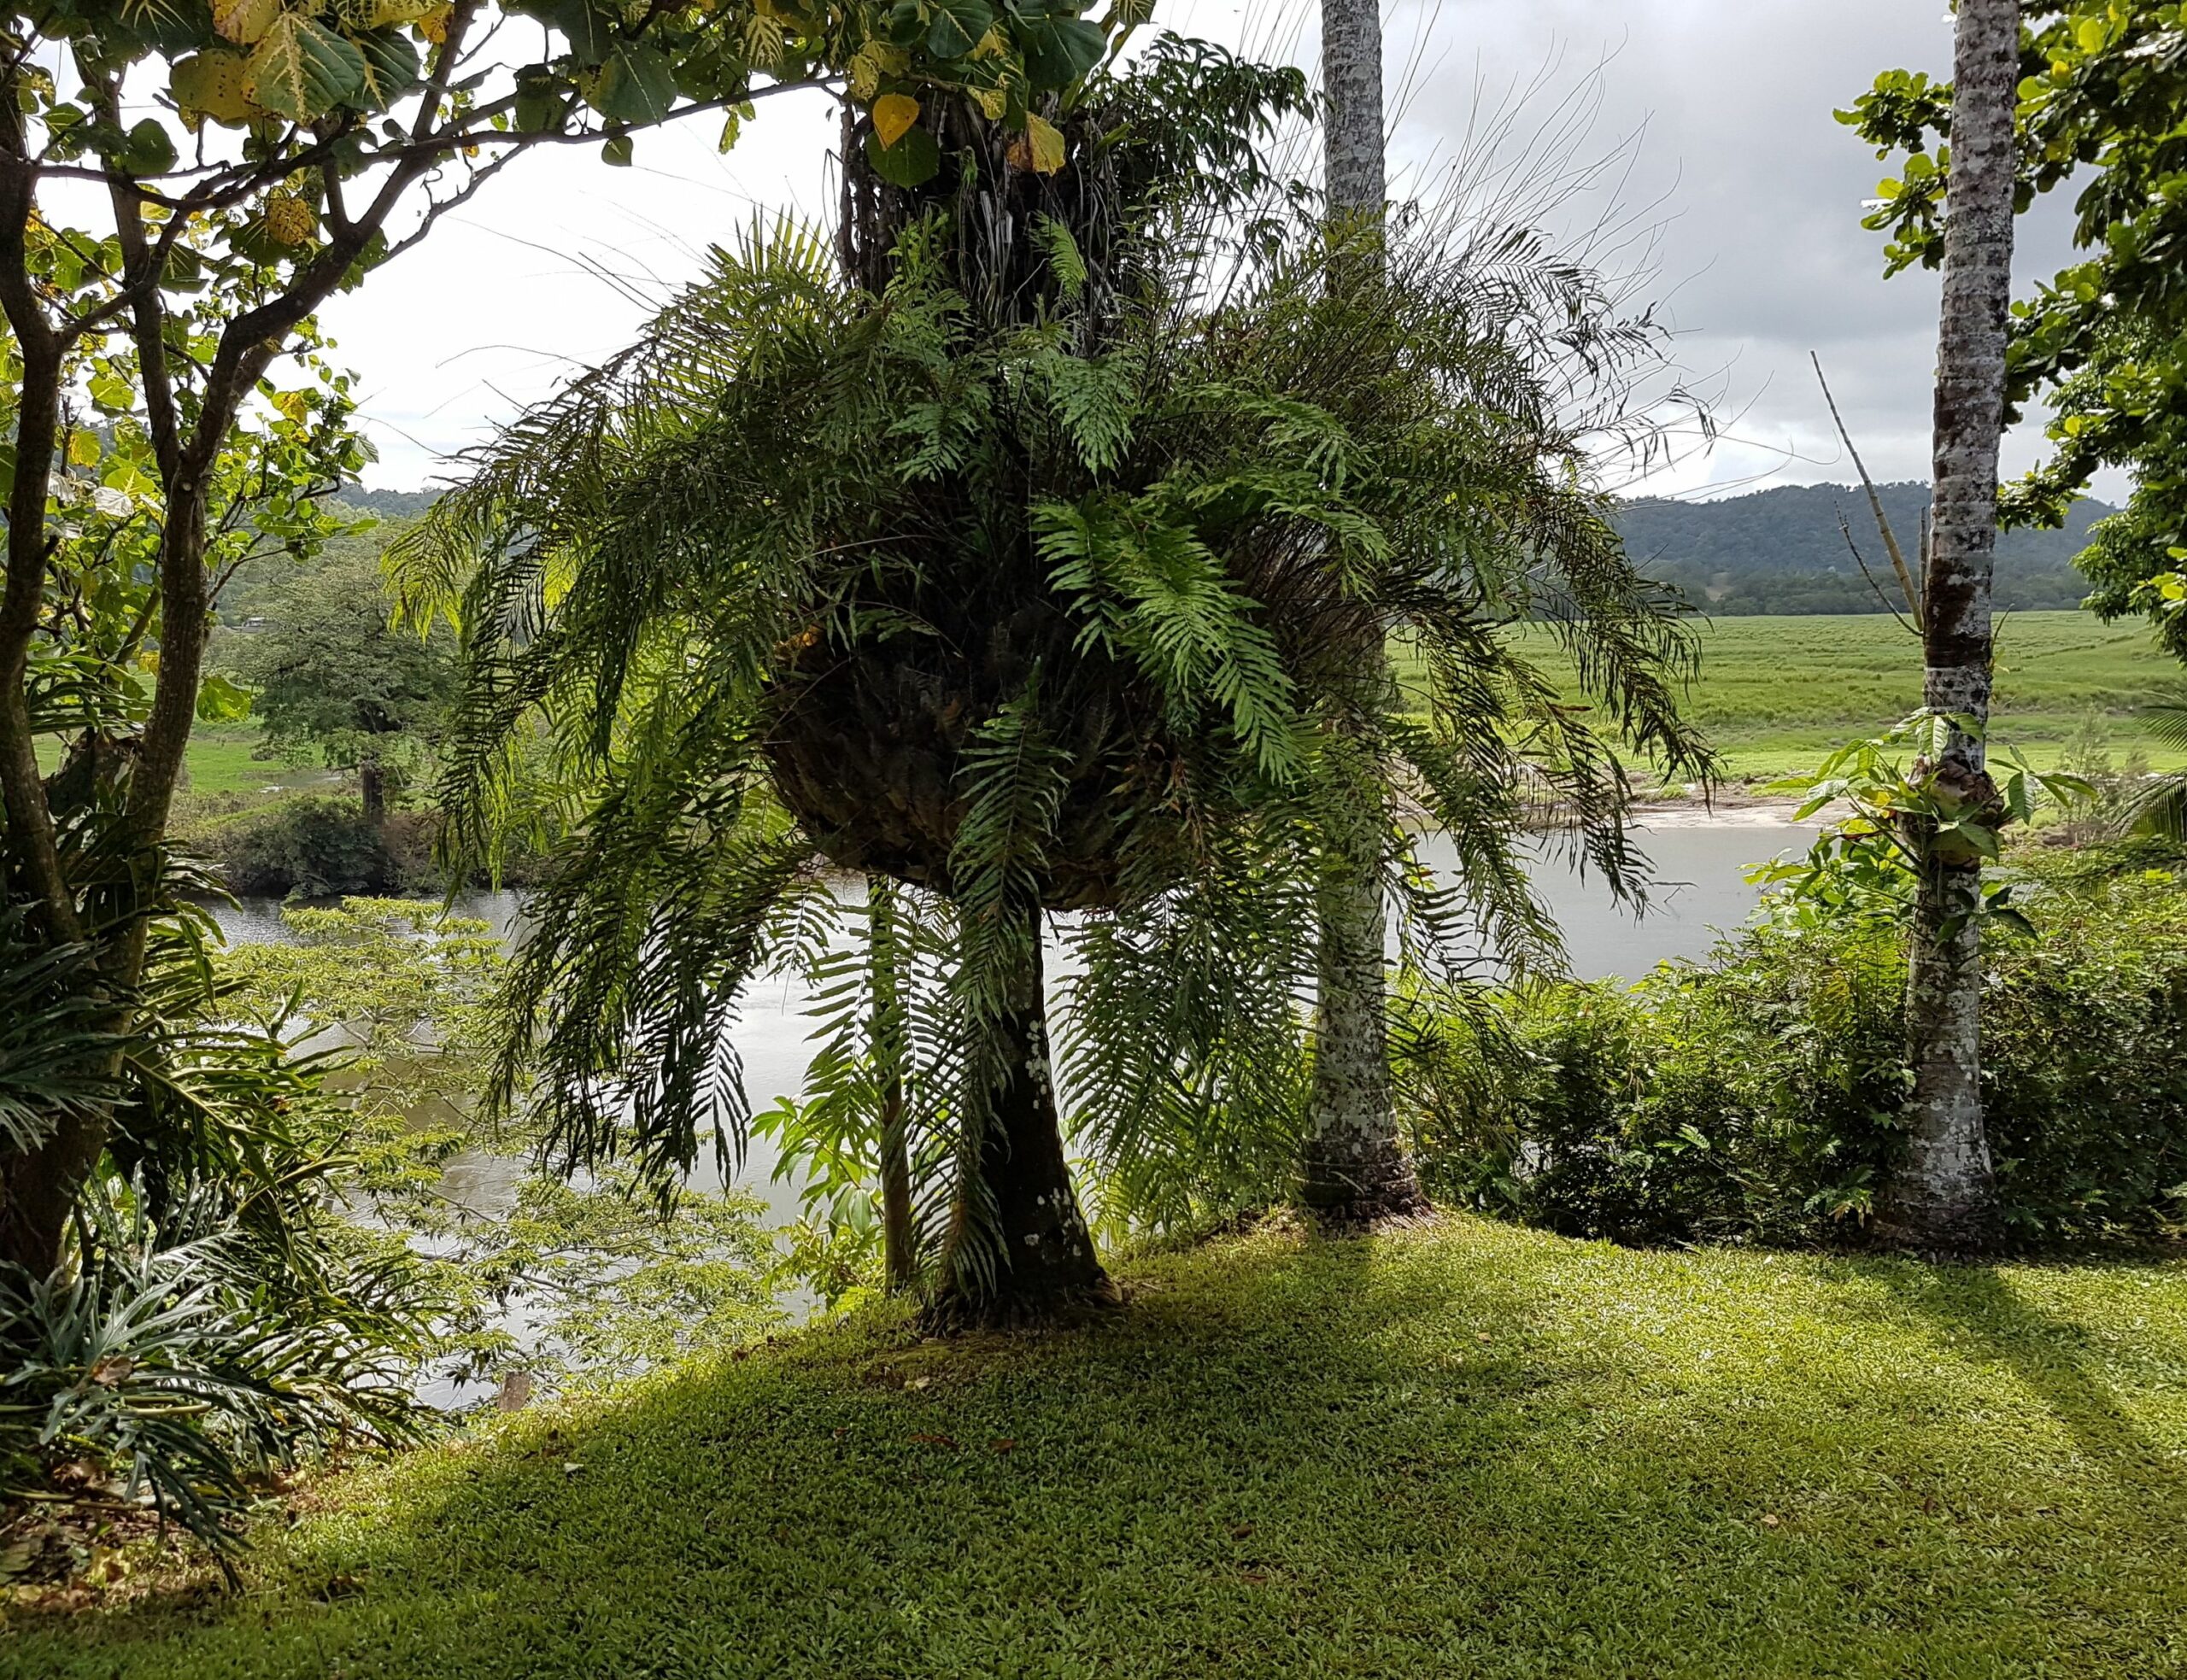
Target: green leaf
{"x": 616, "y": 151}
{"x": 958, "y": 25}
{"x": 391, "y": 67}
{"x": 912, "y": 162}
{"x": 150, "y": 150}
{"x": 220, "y": 701}
{"x": 637, "y": 84}
{"x": 589, "y": 29}
{"x": 1058, "y": 51}
{"x": 302, "y": 70}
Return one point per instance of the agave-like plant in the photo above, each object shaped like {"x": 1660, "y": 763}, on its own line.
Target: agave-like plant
{"x": 1035, "y": 607}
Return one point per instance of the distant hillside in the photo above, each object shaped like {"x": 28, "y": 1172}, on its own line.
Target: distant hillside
{"x": 389, "y": 504}
{"x": 1781, "y": 550}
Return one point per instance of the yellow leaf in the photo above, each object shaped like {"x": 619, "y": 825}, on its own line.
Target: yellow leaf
{"x": 289, "y": 221}
{"x": 434, "y": 24}
{"x": 865, "y": 72}
{"x": 84, "y": 449}
{"x": 295, "y": 404}
{"x": 244, "y": 21}
{"x": 211, "y": 84}
{"x": 1047, "y": 144}
{"x": 387, "y": 11}
{"x": 894, "y": 113}
{"x": 993, "y": 44}
{"x": 994, "y": 101}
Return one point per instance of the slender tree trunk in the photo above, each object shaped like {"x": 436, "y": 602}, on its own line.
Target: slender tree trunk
{"x": 899, "y": 1258}
{"x": 1019, "y": 1250}
{"x": 1353, "y": 1170}
{"x": 372, "y": 790}
{"x": 1941, "y": 1195}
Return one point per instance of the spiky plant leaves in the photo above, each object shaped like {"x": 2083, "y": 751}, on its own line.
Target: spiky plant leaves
{"x": 1038, "y": 611}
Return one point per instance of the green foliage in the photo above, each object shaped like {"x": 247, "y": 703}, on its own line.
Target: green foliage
{"x": 567, "y": 1282}
{"x": 1865, "y": 866}
{"x": 2101, "y": 106}
{"x": 215, "y": 1314}
{"x": 311, "y": 846}
{"x": 1034, "y": 612}
{"x": 170, "y": 1358}
{"x": 1469, "y": 1449}
{"x": 334, "y": 681}
{"x": 1757, "y": 1096}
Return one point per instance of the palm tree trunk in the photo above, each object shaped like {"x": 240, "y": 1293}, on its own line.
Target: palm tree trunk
{"x": 372, "y": 791}
{"x": 1941, "y": 1194}
{"x": 1353, "y": 1169}
{"x": 1019, "y": 1251}
{"x": 899, "y": 1258}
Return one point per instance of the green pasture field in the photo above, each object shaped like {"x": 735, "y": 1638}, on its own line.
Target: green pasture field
{"x": 1776, "y": 694}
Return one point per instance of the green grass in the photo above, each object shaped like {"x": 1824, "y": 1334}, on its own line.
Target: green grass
{"x": 221, "y": 760}
{"x": 1776, "y": 694}
{"x": 1468, "y": 1451}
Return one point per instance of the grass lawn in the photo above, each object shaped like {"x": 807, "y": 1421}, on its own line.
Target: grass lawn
{"x": 1472, "y": 1450}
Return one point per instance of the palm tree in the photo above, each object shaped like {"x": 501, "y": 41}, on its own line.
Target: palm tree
{"x": 1354, "y": 1167}
{"x": 1022, "y": 574}
{"x": 1942, "y": 1191}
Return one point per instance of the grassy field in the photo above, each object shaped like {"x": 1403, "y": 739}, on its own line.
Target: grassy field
{"x": 1468, "y": 1451}
{"x": 1777, "y": 695}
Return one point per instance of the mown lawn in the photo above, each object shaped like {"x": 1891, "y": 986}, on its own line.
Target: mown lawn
{"x": 1473, "y": 1450}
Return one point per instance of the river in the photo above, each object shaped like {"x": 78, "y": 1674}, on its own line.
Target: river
{"x": 1699, "y": 857}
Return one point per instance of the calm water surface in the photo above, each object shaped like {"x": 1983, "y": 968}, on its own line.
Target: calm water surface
{"x": 1699, "y": 890}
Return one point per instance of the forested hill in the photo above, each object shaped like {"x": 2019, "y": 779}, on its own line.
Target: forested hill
{"x": 1782, "y": 551}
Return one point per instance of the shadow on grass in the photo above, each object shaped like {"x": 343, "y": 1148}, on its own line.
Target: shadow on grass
{"x": 2055, "y": 1359}
{"x": 1414, "y": 1455}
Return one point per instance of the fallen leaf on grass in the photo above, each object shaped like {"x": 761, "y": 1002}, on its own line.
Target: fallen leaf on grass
{"x": 924, "y": 1440}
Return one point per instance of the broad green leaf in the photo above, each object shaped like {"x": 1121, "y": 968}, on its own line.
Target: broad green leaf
{"x": 220, "y": 701}
{"x": 302, "y": 70}
{"x": 84, "y": 449}
{"x": 958, "y": 26}
{"x": 150, "y": 150}
{"x": 912, "y": 162}
{"x": 391, "y": 67}
{"x": 1058, "y": 51}
{"x": 616, "y": 151}
{"x": 637, "y": 85}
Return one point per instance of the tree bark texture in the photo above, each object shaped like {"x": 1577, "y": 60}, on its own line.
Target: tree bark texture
{"x": 1941, "y": 1195}
{"x": 1020, "y": 1252}
{"x": 898, "y": 1246}
{"x": 1353, "y": 1170}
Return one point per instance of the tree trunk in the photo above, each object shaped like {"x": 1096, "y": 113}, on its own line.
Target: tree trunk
{"x": 1941, "y": 1195}
{"x": 1354, "y": 1168}
{"x": 372, "y": 790}
{"x": 1019, "y": 1249}
{"x": 899, "y": 1248}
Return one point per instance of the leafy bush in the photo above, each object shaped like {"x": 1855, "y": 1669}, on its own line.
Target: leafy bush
{"x": 1757, "y": 1096}
{"x": 177, "y": 1360}
{"x": 313, "y": 846}
{"x": 216, "y": 1312}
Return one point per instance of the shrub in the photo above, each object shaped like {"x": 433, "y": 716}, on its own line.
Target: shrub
{"x": 1757, "y": 1096}
{"x": 315, "y": 847}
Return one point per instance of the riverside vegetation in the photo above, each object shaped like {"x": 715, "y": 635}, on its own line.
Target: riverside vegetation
{"x": 1024, "y": 544}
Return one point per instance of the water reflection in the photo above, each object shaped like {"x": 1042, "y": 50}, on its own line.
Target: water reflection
{"x": 1700, "y": 890}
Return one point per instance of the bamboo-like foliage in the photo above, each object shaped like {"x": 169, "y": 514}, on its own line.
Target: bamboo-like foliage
{"x": 1038, "y": 618}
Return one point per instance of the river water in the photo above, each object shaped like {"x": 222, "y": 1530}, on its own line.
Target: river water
{"x": 1698, "y": 858}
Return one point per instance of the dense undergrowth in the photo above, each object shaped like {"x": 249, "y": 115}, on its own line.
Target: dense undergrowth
{"x": 1757, "y": 1096}
{"x": 1471, "y": 1449}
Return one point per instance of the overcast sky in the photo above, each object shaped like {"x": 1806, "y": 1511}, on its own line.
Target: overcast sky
{"x": 1716, "y": 115}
